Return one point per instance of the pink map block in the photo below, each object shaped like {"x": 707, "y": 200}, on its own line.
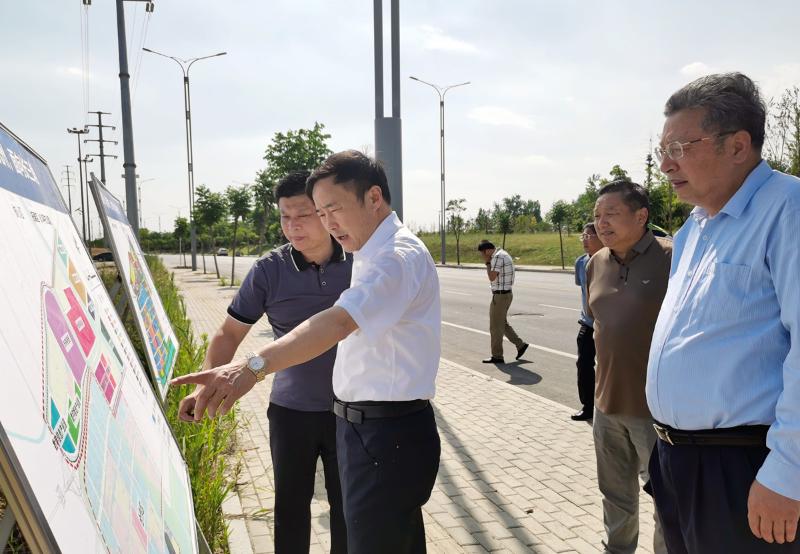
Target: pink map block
{"x": 79, "y": 322}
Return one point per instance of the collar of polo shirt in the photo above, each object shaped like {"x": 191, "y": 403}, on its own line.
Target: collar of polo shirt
{"x": 300, "y": 263}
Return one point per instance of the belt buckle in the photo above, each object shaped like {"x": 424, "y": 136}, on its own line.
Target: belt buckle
{"x": 663, "y": 434}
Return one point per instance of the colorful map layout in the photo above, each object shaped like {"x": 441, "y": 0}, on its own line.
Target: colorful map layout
{"x": 131, "y": 487}
{"x": 161, "y": 348}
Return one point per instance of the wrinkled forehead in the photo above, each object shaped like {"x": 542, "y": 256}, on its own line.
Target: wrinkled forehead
{"x": 327, "y": 193}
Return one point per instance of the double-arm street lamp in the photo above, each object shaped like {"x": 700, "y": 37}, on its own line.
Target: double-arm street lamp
{"x": 185, "y": 66}
{"x": 441, "y": 91}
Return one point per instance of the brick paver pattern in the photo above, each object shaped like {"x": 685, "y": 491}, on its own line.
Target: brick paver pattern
{"x": 516, "y": 474}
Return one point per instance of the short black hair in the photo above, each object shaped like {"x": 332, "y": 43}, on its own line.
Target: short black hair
{"x": 591, "y": 226}
{"x": 486, "y": 245}
{"x": 633, "y": 194}
{"x": 731, "y": 102}
{"x": 292, "y": 184}
{"x": 353, "y": 169}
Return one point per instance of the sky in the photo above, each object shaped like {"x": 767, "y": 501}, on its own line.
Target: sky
{"x": 559, "y": 90}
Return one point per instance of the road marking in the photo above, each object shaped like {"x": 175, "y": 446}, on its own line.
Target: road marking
{"x": 560, "y": 307}
{"x": 536, "y": 346}
{"x": 456, "y": 292}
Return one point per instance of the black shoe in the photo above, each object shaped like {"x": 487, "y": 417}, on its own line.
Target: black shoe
{"x": 583, "y": 415}
{"x": 521, "y": 350}
{"x": 494, "y": 360}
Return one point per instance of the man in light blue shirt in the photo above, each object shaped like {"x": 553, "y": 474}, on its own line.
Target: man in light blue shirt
{"x": 724, "y": 368}
{"x": 586, "y": 350}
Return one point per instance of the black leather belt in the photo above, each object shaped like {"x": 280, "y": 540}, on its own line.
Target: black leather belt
{"x": 501, "y": 291}
{"x": 750, "y": 435}
{"x": 357, "y": 412}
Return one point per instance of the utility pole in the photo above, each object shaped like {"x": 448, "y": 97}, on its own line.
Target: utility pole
{"x": 102, "y": 155}
{"x": 79, "y": 132}
{"x": 68, "y": 173}
{"x": 127, "y": 119}
{"x": 88, "y": 210}
{"x": 388, "y": 130}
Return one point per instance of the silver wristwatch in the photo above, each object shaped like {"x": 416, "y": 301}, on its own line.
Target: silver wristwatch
{"x": 257, "y": 365}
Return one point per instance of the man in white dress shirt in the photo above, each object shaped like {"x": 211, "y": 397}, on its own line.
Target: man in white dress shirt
{"x": 388, "y": 325}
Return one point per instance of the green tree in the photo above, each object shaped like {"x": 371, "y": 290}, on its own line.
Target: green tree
{"x": 181, "y": 232}
{"x": 264, "y": 198}
{"x": 238, "y": 199}
{"x": 504, "y": 224}
{"x": 303, "y": 149}
{"x": 483, "y": 221}
{"x": 618, "y": 173}
{"x": 455, "y": 222}
{"x": 558, "y": 215}
{"x": 209, "y": 210}
{"x": 782, "y": 144}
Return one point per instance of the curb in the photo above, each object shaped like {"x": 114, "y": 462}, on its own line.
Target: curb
{"x": 527, "y": 268}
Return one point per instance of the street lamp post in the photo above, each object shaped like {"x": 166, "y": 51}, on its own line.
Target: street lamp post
{"x": 441, "y": 91}
{"x": 185, "y": 66}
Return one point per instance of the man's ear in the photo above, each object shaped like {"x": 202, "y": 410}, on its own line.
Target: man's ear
{"x": 741, "y": 146}
{"x": 374, "y": 196}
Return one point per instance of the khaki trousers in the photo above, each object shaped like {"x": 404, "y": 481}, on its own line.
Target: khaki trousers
{"x": 498, "y": 324}
{"x": 623, "y": 445}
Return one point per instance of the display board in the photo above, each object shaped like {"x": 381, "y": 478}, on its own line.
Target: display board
{"x": 161, "y": 344}
{"x": 84, "y": 435}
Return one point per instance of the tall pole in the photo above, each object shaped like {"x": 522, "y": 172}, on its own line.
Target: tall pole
{"x": 88, "y": 209}
{"x": 102, "y": 155}
{"x": 185, "y": 66}
{"x": 388, "y": 130}
{"x": 79, "y": 132}
{"x": 127, "y": 122}
{"x": 69, "y": 190}
{"x": 441, "y": 91}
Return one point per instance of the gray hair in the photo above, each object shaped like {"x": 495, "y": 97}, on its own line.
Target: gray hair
{"x": 731, "y": 102}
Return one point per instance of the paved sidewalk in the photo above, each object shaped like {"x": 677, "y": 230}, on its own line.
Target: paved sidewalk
{"x": 516, "y": 474}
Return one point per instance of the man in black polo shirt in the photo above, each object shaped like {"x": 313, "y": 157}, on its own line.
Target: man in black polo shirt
{"x": 290, "y": 284}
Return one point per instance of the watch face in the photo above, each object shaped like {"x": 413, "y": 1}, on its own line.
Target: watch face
{"x": 256, "y": 363}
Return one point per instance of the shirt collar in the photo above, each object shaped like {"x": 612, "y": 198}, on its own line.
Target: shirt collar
{"x": 737, "y": 203}
{"x": 637, "y": 249}
{"x": 382, "y": 233}
{"x": 300, "y": 263}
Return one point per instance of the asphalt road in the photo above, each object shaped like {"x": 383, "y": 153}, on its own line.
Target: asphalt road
{"x": 544, "y": 313}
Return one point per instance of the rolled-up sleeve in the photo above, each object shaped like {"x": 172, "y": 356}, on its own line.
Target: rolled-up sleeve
{"x": 382, "y": 294}
{"x": 781, "y": 469}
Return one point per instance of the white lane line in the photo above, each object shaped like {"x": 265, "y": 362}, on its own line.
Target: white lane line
{"x": 536, "y": 346}
{"x": 456, "y": 292}
{"x": 559, "y": 307}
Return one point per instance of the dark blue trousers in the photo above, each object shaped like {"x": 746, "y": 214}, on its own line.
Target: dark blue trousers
{"x": 701, "y": 494}
{"x": 387, "y": 469}
{"x": 296, "y": 440}
{"x": 585, "y": 365}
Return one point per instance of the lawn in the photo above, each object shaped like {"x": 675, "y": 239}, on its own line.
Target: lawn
{"x": 526, "y": 248}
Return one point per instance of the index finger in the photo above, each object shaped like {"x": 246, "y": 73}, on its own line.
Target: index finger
{"x": 198, "y": 378}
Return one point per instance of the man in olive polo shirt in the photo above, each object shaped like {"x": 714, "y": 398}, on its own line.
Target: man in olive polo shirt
{"x": 627, "y": 281}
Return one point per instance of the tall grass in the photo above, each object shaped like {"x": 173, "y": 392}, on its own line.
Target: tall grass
{"x": 206, "y": 446}
{"x": 526, "y": 248}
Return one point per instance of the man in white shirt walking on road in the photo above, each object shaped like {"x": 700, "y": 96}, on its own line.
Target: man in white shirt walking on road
{"x": 388, "y": 324}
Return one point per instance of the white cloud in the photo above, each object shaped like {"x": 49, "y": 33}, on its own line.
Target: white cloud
{"x": 73, "y": 71}
{"x": 434, "y": 38}
{"x": 695, "y": 69}
{"x": 538, "y": 160}
{"x": 495, "y": 115}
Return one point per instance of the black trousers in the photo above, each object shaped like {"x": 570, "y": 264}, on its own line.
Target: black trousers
{"x": 296, "y": 440}
{"x": 388, "y": 467}
{"x": 585, "y": 364}
{"x": 701, "y": 494}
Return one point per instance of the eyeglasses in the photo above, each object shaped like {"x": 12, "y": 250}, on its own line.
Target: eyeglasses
{"x": 587, "y": 236}
{"x": 675, "y": 150}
